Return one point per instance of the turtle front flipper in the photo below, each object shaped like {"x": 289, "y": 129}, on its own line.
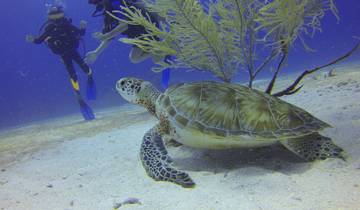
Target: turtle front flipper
{"x": 157, "y": 162}
{"x": 314, "y": 147}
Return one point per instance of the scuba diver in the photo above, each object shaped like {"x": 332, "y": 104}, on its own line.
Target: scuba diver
{"x": 63, "y": 38}
{"x": 113, "y": 27}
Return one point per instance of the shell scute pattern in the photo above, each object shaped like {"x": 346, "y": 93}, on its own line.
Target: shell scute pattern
{"x": 230, "y": 110}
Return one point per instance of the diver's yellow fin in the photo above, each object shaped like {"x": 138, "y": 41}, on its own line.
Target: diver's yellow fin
{"x": 75, "y": 85}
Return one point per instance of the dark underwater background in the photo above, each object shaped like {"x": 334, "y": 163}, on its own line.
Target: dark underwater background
{"x": 34, "y": 84}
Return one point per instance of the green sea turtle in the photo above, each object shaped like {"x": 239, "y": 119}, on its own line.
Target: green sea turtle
{"x": 216, "y": 115}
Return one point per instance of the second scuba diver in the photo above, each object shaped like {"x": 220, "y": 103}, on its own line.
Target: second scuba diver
{"x": 63, "y": 38}
{"x": 113, "y": 27}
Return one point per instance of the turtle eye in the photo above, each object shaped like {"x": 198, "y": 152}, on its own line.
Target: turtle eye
{"x": 137, "y": 89}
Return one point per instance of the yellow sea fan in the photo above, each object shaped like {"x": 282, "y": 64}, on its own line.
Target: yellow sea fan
{"x": 223, "y": 35}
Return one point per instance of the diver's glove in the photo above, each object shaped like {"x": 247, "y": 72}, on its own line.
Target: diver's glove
{"x": 99, "y": 36}
{"x": 30, "y": 38}
{"x": 83, "y": 24}
{"x": 91, "y": 57}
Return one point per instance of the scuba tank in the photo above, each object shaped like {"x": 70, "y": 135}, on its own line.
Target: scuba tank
{"x": 99, "y": 8}
{"x": 109, "y": 5}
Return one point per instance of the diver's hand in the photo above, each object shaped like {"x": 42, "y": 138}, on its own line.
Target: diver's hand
{"x": 91, "y": 57}
{"x": 83, "y": 24}
{"x": 30, "y": 38}
{"x": 99, "y": 36}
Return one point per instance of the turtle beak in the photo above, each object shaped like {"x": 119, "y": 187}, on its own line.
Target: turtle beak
{"x": 120, "y": 86}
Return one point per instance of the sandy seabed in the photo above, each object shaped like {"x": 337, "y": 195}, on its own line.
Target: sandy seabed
{"x": 67, "y": 164}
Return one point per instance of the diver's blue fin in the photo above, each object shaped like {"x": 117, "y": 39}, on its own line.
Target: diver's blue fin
{"x": 86, "y": 111}
{"x": 165, "y": 78}
{"x": 166, "y": 73}
{"x": 91, "y": 89}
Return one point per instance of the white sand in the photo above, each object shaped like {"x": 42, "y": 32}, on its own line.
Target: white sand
{"x": 67, "y": 165}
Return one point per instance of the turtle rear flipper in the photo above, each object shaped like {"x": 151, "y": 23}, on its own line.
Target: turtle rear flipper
{"x": 157, "y": 162}
{"x": 314, "y": 147}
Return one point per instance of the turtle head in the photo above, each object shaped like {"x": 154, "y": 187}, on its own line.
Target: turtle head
{"x": 129, "y": 88}
{"x": 138, "y": 91}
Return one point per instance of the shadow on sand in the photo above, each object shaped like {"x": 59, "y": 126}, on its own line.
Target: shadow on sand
{"x": 271, "y": 159}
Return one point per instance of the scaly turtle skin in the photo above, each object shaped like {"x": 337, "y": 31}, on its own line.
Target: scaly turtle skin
{"x": 221, "y": 116}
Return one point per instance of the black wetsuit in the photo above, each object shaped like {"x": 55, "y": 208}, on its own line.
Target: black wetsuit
{"x": 110, "y": 23}
{"x": 63, "y": 38}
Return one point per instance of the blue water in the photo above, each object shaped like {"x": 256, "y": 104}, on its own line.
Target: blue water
{"x": 35, "y": 85}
